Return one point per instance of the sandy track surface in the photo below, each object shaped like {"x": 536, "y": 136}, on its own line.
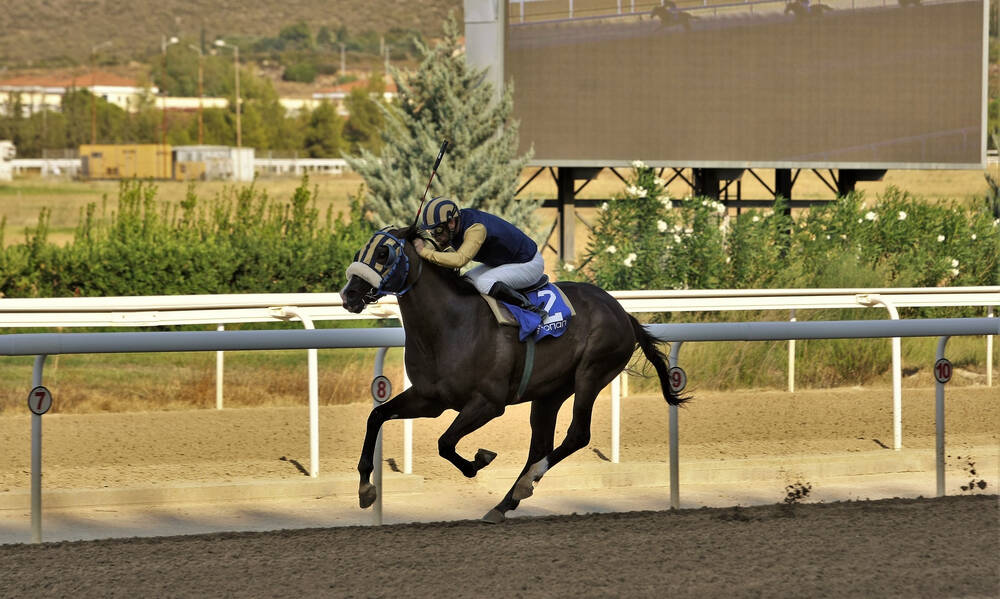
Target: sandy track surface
{"x": 163, "y": 448}
{"x": 894, "y": 548}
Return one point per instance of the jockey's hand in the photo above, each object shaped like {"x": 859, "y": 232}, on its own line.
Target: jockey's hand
{"x": 418, "y": 244}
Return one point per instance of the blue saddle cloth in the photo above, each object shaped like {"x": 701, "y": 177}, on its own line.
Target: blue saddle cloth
{"x": 551, "y": 299}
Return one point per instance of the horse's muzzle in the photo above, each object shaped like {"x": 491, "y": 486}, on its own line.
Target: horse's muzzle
{"x": 352, "y": 297}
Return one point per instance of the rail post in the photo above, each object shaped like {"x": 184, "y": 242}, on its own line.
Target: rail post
{"x": 675, "y": 477}
{"x": 407, "y": 432}
{"x": 313, "y": 369}
{"x": 989, "y": 353}
{"x": 219, "y": 369}
{"x": 939, "y": 413}
{"x": 377, "y": 456}
{"x": 791, "y": 358}
{"x": 616, "y": 406}
{"x": 36, "y": 457}
{"x": 897, "y": 368}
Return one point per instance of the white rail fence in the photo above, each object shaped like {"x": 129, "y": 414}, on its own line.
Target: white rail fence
{"x": 308, "y": 308}
{"x": 43, "y": 344}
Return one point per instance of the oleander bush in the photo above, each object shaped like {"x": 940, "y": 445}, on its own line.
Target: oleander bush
{"x": 646, "y": 240}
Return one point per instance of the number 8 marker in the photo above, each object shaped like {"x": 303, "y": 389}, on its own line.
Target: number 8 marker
{"x": 381, "y": 389}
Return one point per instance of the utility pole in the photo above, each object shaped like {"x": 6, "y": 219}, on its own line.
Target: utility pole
{"x": 236, "y": 66}
{"x": 93, "y": 92}
{"x": 163, "y": 98}
{"x": 201, "y": 95}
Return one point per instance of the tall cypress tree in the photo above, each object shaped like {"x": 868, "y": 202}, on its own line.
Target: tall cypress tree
{"x": 445, "y": 98}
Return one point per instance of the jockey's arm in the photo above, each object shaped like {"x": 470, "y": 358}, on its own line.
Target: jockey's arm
{"x": 474, "y": 238}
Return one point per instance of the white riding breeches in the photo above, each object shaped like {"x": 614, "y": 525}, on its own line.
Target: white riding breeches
{"x": 516, "y": 275}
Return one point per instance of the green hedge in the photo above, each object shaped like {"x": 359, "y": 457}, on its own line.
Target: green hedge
{"x": 645, "y": 240}
{"x": 241, "y": 241}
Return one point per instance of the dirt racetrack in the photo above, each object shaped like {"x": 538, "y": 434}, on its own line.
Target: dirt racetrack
{"x": 897, "y": 548}
{"x": 946, "y": 547}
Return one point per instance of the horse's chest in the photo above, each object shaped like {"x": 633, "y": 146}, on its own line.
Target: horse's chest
{"x": 454, "y": 374}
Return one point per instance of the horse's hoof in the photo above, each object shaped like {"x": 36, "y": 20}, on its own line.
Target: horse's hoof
{"x": 484, "y": 457}
{"x": 494, "y": 516}
{"x": 366, "y": 494}
{"x": 523, "y": 489}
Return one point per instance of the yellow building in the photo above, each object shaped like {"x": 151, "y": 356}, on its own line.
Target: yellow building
{"x": 126, "y": 161}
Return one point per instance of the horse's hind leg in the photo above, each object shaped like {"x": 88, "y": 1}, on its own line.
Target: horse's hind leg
{"x": 474, "y": 414}
{"x": 407, "y": 404}
{"x": 577, "y": 436}
{"x": 543, "y": 432}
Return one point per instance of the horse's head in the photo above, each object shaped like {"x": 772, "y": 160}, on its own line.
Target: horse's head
{"x": 381, "y": 267}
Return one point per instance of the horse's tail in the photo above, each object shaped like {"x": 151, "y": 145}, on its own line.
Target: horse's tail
{"x": 656, "y": 357}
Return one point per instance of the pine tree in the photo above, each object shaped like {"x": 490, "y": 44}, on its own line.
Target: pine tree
{"x": 445, "y": 98}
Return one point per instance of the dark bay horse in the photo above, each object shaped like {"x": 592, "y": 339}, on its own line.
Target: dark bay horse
{"x": 459, "y": 358}
{"x": 669, "y": 15}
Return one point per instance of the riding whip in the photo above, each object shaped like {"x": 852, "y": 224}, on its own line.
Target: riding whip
{"x": 437, "y": 163}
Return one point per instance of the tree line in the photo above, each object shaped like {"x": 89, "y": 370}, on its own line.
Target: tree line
{"x": 265, "y": 124}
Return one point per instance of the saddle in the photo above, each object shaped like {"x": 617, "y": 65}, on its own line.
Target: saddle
{"x": 504, "y": 317}
{"x": 556, "y": 304}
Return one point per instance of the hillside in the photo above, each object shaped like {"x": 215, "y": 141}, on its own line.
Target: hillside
{"x": 62, "y": 32}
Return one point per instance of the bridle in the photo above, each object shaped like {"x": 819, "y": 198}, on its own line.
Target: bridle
{"x": 388, "y": 278}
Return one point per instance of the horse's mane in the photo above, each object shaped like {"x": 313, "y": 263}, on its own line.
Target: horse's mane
{"x": 459, "y": 284}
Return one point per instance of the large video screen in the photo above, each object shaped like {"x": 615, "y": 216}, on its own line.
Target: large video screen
{"x": 837, "y": 84}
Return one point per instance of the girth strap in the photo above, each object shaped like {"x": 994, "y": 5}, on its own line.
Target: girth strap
{"x": 529, "y": 365}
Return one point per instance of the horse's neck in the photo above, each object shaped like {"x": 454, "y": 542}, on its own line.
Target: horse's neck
{"x": 432, "y": 303}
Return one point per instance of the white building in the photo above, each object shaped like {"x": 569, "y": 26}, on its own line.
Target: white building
{"x": 213, "y": 163}
{"x": 45, "y": 92}
{"x": 7, "y": 153}
{"x": 338, "y": 93}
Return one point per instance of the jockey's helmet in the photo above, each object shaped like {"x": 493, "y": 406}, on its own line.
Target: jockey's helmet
{"x": 437, "y": 212}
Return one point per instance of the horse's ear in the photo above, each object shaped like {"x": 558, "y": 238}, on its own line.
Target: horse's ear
{"x": 408, "y": 233}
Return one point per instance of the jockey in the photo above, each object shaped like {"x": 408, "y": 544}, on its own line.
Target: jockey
{"x": 509, "y": 259}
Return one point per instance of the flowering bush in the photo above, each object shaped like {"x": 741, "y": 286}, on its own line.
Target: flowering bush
{"x": 643, "y": 239}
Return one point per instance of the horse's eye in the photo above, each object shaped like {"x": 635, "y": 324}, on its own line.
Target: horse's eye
{"x": 382, "y": 255}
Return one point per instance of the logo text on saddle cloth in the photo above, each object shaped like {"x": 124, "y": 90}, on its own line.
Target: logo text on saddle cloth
{"x": 551, "y": 300}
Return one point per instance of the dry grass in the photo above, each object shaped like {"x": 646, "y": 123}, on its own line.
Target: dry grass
{"x": 184, "y": 381}
{"x": 22, "y": 200}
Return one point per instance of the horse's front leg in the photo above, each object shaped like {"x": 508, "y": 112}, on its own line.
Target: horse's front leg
{"x": 474, "y": 414}
{"x": 408, "y": 404}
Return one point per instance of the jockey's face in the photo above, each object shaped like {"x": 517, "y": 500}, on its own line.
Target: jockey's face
{"x": 443, "y": 233}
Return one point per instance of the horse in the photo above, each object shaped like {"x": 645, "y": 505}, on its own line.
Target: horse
{"x": 804, "y": 9}
{"x": 669, "y": 15}
{"x": 458, "y": 357}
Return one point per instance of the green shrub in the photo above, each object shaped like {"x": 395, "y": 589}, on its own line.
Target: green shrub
{"x": 239, "y": 242}
{"x": 645, "y": 240}
{"x": 302, "y": 72}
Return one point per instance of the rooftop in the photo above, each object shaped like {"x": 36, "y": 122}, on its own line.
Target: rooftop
{"x": 83, "y": 79}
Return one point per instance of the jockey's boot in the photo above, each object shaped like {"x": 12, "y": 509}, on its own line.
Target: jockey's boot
{"x": 505, "y": 293}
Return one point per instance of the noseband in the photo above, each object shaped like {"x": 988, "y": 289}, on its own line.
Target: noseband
{"x": 390, "y": 276}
